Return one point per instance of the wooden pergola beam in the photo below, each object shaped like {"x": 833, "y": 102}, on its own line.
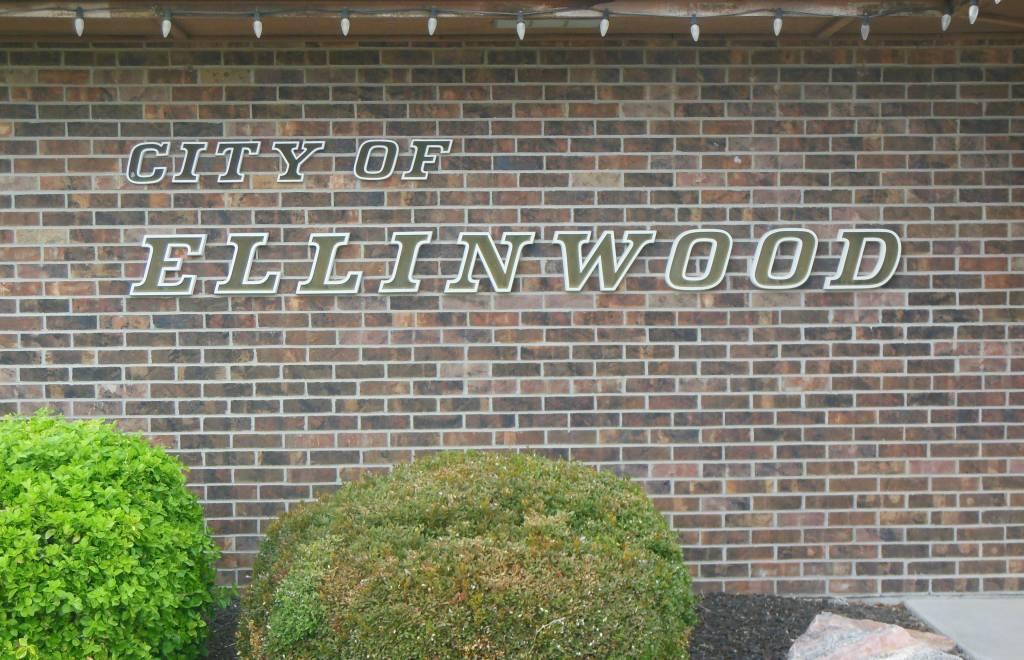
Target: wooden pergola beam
{"x": 191, "y": 19}
{"x": 833, "y": 26}
{"x": 704, "y": 8}
{"x": 177, "y": 30}
{"x": 1008, "y": 21}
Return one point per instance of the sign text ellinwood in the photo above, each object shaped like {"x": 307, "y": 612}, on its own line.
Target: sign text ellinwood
{"x": 583, "y": 254}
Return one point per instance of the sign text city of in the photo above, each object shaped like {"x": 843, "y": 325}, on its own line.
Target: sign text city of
{"x": 583, "y": 254}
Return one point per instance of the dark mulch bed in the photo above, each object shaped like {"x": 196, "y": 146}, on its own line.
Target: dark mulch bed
{"x": 220, "y": 645}
{"x": 731, "y": 626}
{"x": 756, "y": 626}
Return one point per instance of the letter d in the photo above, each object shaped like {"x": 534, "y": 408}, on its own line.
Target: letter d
{"x": 848, "y": 276}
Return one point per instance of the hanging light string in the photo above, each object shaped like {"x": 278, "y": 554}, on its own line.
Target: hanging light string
{"x": 433, "y": 15}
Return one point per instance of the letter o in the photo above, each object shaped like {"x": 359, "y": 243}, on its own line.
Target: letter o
{"x": 682, "y": 249}
{"x": 387, "y": 166}
{"x": 768, "y": 251}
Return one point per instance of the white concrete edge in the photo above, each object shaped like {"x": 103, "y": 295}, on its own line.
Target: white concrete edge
{"x": 934, "y": 626}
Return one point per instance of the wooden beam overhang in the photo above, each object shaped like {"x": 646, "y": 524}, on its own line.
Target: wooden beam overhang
{"x": 318, "y": 19}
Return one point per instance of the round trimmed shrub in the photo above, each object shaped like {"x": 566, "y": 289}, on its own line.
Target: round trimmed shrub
{"x": 471, "y": 555}
{"x": 103, "y": 551}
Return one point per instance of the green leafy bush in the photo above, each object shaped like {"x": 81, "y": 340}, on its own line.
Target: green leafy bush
{"x": 103, "y": 551}
{"x": 471, "y": 555}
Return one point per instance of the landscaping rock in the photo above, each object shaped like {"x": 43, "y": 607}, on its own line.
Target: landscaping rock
{"x": 834, "y": 637}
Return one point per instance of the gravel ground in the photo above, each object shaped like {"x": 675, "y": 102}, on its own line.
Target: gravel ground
{"x": 731, "y": 626}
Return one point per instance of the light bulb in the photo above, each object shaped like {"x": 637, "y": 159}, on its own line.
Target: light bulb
{"x": 865, "y": 28}
{"x": 694, "y": 29}
{"x": 165, "y": 24}
{"x": 997, "y": 1}
{"x": 79, "y": 22}
{"x": 777, "y": 23}
{"x": 947, "y": 20}
{"x": 605, "y": 23}
{"x": 257, "y": 25}
{"x": 432, "y": 22}
{"x": 346, "y": 24}
{"x": 972, "y": 13}
{"x": 520, "y": 26}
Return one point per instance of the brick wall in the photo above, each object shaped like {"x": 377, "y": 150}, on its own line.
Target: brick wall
{"x": 804, "y": 441}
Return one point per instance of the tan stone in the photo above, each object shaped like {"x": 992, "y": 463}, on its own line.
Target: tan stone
{"x": 834, "y": 637}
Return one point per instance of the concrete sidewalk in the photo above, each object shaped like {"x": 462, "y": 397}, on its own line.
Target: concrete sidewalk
{"x": 985, "y": 627}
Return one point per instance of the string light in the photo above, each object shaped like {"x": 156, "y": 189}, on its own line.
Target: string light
{"x": 165, "y": 24}
{"x": 945, "y": 10}
{"x": 79, "y": 22}
{"x": 432, "y": 22}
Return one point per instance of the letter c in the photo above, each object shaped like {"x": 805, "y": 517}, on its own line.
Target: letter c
{"x": 139, "y": 151}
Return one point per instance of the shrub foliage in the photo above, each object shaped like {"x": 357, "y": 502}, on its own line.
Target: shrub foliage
{"x": 471, "y": 555}
{"x": 103, "y": 551}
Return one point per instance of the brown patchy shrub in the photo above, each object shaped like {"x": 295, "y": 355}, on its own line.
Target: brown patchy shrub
{"x": 472, "y": 555}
